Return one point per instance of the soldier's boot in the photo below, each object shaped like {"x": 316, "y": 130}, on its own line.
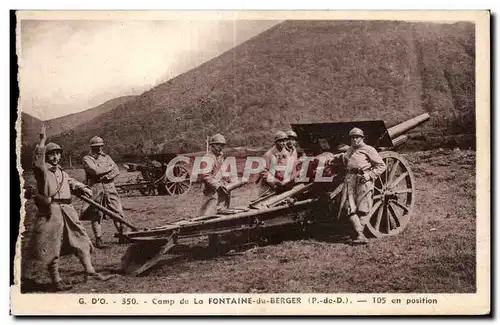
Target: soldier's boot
{"x": 57, "y": 282}
{"x": 100, "y": 244}
{"x": 119, "y": 234}
{"x": 96, "y": 227}
{"x": 360, "y": 239}
{"x": 90, "y": 272}
{"x": 61, "y": 286}
{"x": 358, "y": 227}
{"x": 98, "y": 276}
{"x": 121, "y": 239}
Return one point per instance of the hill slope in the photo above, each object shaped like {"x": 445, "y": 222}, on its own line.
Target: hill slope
{"x": 68, "y": 122}
{"x": 301, "y": 71}
{"x": 30, "y": 125}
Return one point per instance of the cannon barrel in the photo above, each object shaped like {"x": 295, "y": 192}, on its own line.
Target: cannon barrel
{"x": 399, "y": 140}
{"x": 404, "y": 127}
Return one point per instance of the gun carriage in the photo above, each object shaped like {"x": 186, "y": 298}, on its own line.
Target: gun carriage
{"x": 152, "y": 176}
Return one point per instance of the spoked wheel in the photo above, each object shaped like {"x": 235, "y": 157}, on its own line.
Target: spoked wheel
{"x": 393, "y": 197}
{"x": 181, "y": 187}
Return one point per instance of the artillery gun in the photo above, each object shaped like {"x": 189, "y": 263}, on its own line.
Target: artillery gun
{"x": 301, "y": 206}
{"x": 152, "y": 178}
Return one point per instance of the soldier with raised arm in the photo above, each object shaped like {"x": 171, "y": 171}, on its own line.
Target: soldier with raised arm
{"x": 363, "y": 165}
{"x": 101, "y": 172}
{"x": 58, "y": 230}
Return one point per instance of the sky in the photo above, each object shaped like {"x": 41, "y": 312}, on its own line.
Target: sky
{"x": 66, "y": 66}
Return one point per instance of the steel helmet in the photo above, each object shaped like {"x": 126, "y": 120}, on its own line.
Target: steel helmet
{"x": 52, "y": 147}
{"x": 356, "y": 132}
{"x": 218, "y": 138}
{"x": 291, "y": 134}
{"x": 280, "y": 135}
{"x": 96, "y": 142}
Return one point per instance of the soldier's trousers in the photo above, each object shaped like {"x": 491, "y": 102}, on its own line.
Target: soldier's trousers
{"x": 97, "y": 229}
{"x": 53, "y": 266}
{"x": 359, "y": 195}
{"x": 109, "y": 199}
{"x": 357, "y": 199}
{"x": 213, "y": 201}
{"x": 59, "y": 232}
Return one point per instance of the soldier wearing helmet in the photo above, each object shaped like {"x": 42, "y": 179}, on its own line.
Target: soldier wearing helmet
{"x": 295, "y": 152}
{"x": 363, "y": 165}
{"x": 291, "y": 142}
{"x": 215, "y": 193}
{"x": 58, "y": 229}
{"x": 100, "y": 172}
{"x": 357, "y": 135}
{"x": 271, "y": 179}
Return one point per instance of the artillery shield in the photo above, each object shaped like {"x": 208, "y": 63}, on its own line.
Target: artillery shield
{"x": 315, "y": 138}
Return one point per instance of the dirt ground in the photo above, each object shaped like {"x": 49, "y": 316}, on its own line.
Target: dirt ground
{"x": 436, "y": 252}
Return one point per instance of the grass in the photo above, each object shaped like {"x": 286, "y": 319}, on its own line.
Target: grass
{"x": 435, "y": 254}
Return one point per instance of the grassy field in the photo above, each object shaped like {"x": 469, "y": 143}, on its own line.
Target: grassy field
{"x": 436, "y": 253}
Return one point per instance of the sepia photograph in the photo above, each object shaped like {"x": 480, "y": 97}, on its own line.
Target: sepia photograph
{"x": 253, "y": 162}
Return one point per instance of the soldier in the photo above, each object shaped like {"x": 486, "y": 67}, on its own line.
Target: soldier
{"x": 100, "y": 172}
{"x": 278, "y": 155}
{"x": 291, "y": 143}
{"x": 215, "y": 193}
{"x": 297, "y": 154}
{"x": 57, "y": 230}
{"x": 363, "y": 165}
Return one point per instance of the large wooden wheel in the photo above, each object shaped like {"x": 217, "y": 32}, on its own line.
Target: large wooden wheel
{"x": 393, "y": 197}
{"x": 178, "y": 188}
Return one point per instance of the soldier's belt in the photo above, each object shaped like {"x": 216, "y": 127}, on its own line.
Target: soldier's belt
{"x": 61, "y": 201}
{"x": 355, "y": 171}
{"x": 102, "y": 181}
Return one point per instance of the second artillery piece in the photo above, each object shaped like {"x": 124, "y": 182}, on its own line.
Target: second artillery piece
{"x": 152, "y": 176}
{"x": 301, "y": 207}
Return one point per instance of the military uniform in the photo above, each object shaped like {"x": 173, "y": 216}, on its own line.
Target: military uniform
{"x": 273, "y": 157}
{"x": 357, "y": 195}
{"x": 57, "y": 230}
{"x": 213, "y": 198}
{"x": 296, "y": 155}
{"x": 296, "y": 161}
{"x": 100, "y": 172}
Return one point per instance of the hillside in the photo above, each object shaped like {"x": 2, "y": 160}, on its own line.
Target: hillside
{"x": 68, "y": 122}
{"x": 30, "y": 125}
{"x": 302, "y": 71}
